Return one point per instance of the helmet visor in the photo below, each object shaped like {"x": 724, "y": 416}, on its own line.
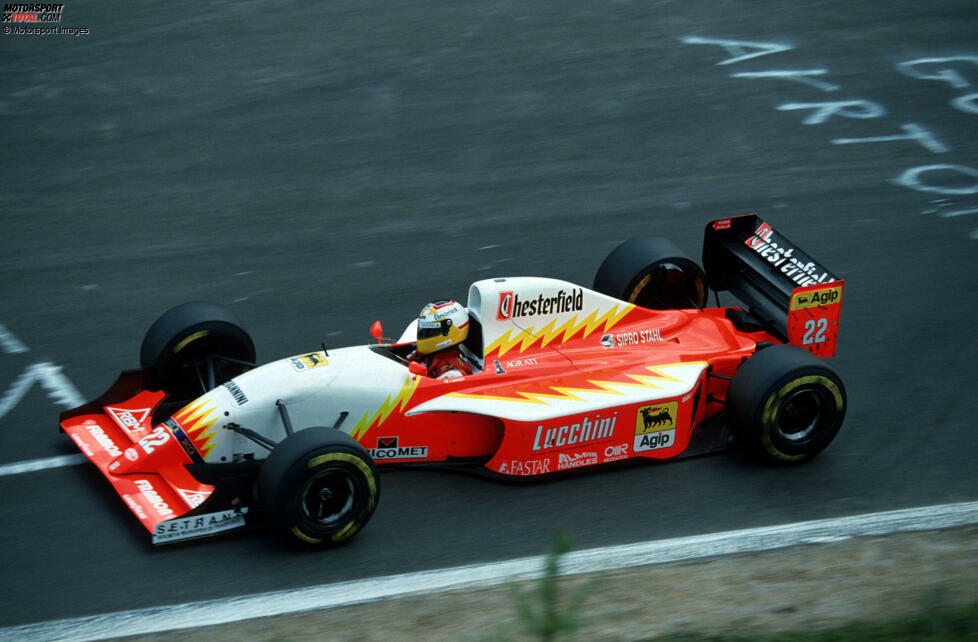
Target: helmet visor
{"x": 428, "y": 329}
{"x": 427, "y": 333}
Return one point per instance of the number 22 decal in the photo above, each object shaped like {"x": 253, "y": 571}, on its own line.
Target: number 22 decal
{"x": 157, "y": 438}
{"x": 815, "y": 331}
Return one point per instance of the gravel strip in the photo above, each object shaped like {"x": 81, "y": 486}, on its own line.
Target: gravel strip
{"x": 802, "y": 588}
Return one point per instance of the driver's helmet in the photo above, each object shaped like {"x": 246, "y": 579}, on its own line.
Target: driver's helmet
{"x": 441, "y": 325}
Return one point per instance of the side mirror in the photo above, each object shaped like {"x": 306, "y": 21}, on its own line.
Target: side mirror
{"x": 418, "y": 368}
{"x": 377, "y": 331}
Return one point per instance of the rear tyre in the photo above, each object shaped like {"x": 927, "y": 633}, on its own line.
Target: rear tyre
{"x": 653, "y": 273}
{"x": 785, "y": 405}
{"x": 177, "y": 346}
{"x": 319, "y": 487}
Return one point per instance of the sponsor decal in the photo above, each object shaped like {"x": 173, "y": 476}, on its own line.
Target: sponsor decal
{"x": 130, "y": 419}
{"x": 309, "y": 361}
{"x": 239, "y": 396}
{"x": 193, "y": 497}
{"x": 655, "y": 426}
{"x": 525, "y": 467}
{"x": 388, "y": 448}
{"x": 655, "y": 440}
{"x": 187, "y": 527}
{"x": 103, "y": 440}
{"x": 722, "y": 224}
{"x": 134, "y": 506}
{"x": 436, "y": 315}
{"x": 197, "y": 421}
{"x": 131, "y": 454}
{"x": 608, "y": 341}
{"x": 153, "y": 497}
{"x": 519, "y": 363}
{"x": 778, "y": 253}
{"x": 815, "y": 298}
{"x": 584, "y": 432}
{"x": 636, "y": 338}
{"x": 85, "y": 448}
{"x": 576, "y": 460}
{"x": 184, "y": 441}
{"x": 511, "y": 306}
{"x": 616, "y": 452}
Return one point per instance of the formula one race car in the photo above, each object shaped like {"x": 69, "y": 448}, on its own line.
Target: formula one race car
{"x": 200, "y": 440}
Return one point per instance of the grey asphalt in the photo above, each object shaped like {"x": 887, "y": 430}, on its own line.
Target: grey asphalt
{"x": 317, "y": 166}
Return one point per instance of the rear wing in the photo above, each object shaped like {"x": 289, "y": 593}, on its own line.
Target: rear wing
{"x": 795, "y": 297}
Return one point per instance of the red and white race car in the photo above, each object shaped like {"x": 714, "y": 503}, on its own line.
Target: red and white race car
{"x": 200, "y": 440}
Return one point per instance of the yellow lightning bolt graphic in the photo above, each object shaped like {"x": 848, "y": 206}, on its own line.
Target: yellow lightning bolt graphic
{"x": 548, "y": 333}
{"x": 390, "y": 404}
{"x": 196, "y": 419}
{"x": 598, "y": 386}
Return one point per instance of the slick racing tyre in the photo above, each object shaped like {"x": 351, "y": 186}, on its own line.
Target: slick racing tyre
{"x": 193, "y": 346}
{"x": 785, "y": 405}
{"x": 318, "y": 486}
{"x": 653, "y": 273}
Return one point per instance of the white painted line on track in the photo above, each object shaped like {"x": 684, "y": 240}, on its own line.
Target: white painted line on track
{"x": 9, "y": 343}
{"x": 49, "y": 376}
{"x": 59, "y": 390}
{"x": 946, "y": 214}
{"x": 222, "y": 611}
{"x": 32, "y": 465}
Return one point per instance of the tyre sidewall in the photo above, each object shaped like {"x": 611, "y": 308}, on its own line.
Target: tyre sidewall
{"x": 756, "y": 398}
{"x": 828, "y": 388}
{"x": 189, "y": 330}
{"x": 627, "y": 271}
{"x": 298, "y": 462}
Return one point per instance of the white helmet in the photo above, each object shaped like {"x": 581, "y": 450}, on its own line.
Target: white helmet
{"x": 441, "y": 325}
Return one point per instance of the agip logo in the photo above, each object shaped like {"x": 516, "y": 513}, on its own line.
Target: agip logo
{"x": 816, "y": 298}
{"x": 307, "y": 361}
{"x": 655, "y": 426}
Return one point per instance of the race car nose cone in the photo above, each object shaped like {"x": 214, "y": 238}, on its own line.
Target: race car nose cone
{"x": 159, "y": 448}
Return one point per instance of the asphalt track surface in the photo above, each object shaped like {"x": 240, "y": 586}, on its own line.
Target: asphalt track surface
{"x": 319, "y": 166}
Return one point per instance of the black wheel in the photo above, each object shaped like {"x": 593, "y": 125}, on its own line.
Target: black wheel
{"x": 320, "y": 486}
{"x": 653, "y": 273}
{"x": 785, "y": 405}
{"x": 194, "y": 347}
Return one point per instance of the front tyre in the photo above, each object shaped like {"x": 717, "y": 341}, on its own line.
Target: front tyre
{"x": 318, "y": 486}
{"x": 193, "y": 347}
{"x": 785, "y": 405}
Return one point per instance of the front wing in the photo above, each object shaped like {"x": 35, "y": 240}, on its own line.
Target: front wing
{"x": 147, "y": 466}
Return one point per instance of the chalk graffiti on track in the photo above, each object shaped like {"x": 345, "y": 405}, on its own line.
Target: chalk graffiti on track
{"x": 960, "y": 73}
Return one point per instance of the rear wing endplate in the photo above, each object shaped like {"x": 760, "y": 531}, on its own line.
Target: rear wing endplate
{"x": 795, "y": 297}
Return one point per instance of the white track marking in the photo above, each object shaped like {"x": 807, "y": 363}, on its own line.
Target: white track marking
{"x": 52, "y": 381}
{"x": 9, "y": 343}
{"x": 949, "y": 214}
{"x": 803, "y": 76}
{"x": 32, "y": 465}
{"x": 60, "y": 391}
{"x": 913, "y": 131}
{"x": 211, "y": 612}
{"x": 739, "y": 49}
